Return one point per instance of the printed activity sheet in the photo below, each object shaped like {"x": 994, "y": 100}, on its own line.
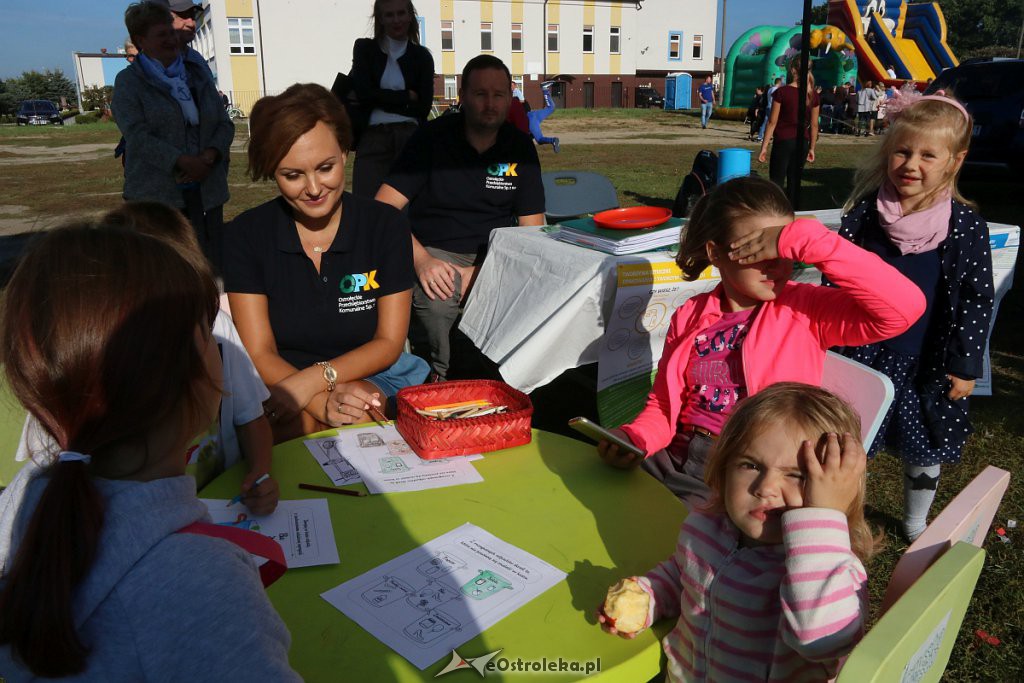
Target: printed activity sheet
{"x": 325, "y": 451}
{"x": 387, "y": 464}
{"x": 301, "y": 527}
{"x": 432, "y": 599}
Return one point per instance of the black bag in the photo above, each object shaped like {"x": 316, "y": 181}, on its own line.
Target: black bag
{"x": 697, "y": 183}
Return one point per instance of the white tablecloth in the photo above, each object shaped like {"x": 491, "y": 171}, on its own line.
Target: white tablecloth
{"x": 538, "y": 305}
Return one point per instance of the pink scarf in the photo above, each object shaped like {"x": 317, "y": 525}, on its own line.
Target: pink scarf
{"x": 921, "y": 230}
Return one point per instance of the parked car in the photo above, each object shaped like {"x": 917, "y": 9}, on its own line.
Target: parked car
{"x": 38, "y": 113}
{"x": 646, "y": 96}
{"x": 993, "y": 91}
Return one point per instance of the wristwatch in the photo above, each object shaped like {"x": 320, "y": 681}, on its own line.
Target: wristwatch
{"x": 330, "y": 374}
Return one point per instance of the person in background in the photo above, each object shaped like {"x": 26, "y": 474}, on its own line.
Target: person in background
{"x": 791, "y": 147}
{"x": 906, "y": 208}
{"x": 462, "y": 176}
{"x": 767, "y": 583}
{"x": 828, "y": 108}
{"x": 768, "y": 98}
{"x": 105, "y": 339}
{"x": 319, "y": 280}
{"x": 867, "y": 101}
{"x": 706, "y": 93}
{"x": 891, "y": 71}
{"x": 754, "y": 112}
{"x": 537, "y": 116}
{"x": 177, "y": 134}
{"x": 130, "y": 51}
{"x": 393, "y": 79}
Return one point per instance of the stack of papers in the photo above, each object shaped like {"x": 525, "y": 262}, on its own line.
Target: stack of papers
{"x": 585, "y": 233}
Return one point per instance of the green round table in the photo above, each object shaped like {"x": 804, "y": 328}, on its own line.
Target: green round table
{"x": 553, "y": 498}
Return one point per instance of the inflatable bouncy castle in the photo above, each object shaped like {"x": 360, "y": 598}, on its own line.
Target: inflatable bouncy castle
{"x": 763, "y": 54}
{"x": 909, "y": 37}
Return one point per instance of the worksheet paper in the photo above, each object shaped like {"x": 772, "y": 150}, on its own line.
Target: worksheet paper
{"x": 301, "y": 527}
{"x": 387, "y": 464}
{"x": 335, "y": 466}
{"x": 431, "y": 600}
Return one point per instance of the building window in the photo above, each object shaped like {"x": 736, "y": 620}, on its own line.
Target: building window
{"x": 423, "y": 30}
{"x": 447, "y": 35}
{"x": 485, "y": 37}
{"x": 675, "y": 46}
{"x": 552, "y": 37}
{"x": 698, "y": 47}
{"x": 517, "y": 37}
{"x": 613, "y": 39}
{"x": 588, "y": 39}
{"x": 240, "y": 39}
{"x": 451, "y": 90}
{"x": 517, "y": 82}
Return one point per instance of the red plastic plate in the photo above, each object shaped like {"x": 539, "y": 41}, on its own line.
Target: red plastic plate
{"x": 632, "y": 218}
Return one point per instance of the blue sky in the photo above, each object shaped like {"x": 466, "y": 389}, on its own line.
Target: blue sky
{"x": 42, "y": 34}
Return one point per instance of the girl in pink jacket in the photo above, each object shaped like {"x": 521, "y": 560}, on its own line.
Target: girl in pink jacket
{"x": 768, "y": 583}
{"x": 756, "y": 327}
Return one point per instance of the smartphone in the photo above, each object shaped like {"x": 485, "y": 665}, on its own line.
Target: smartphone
{"x": 594, "y": 431}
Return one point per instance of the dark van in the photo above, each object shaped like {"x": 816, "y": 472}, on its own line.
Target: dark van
{"x": 993, "y": 91}
{"x": 645, "y": 96}
{"x": 38, "y": 113}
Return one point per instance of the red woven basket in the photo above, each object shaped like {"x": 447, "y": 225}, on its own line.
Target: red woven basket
{"x": 444, "y": 438}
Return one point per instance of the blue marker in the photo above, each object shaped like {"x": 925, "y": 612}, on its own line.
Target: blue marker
{"x": 238, "y": 499}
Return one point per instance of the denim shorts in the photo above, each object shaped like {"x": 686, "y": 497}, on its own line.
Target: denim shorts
{"x": 407, "y": 371}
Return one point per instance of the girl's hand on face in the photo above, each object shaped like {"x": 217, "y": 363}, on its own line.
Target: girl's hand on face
{"x": 757, "y": 246}
{"x": 959, "y": 388}
{"x": 615, "y": 456}
{"x": 606, "y": 625}
{"x": 834, "y": 475}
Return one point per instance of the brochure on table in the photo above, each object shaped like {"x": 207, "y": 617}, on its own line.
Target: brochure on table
{"x": 431, "y": 600}
{"x": 384, "y": 461}
{"x": 649, "y": 290}
{"x": 301, "y": 527}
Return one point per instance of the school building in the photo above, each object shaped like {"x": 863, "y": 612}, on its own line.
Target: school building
{"x": 598, "y": 51}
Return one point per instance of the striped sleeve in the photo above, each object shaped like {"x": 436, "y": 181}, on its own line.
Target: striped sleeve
{"x": 824, "y": 592}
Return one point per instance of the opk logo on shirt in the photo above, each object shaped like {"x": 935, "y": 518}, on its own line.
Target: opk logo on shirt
{"x": 358, "y": 281}
{"x": 502, "y": 169}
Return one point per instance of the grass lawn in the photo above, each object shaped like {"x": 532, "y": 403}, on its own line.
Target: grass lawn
{"x": 650, "y": 174}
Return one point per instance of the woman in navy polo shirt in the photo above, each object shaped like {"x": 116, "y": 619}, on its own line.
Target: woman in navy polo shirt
{"x": 319, "y": 281}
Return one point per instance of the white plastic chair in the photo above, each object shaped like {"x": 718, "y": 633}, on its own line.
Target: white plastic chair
{"x": 868, "y": 391}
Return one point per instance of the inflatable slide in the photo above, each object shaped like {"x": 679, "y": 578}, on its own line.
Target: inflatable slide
{"x": 909, "y": 37}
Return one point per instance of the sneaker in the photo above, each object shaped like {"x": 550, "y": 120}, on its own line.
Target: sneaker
{"x": 556, "y": 146}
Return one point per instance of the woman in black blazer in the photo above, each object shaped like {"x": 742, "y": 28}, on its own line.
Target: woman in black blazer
{"x": 393, "y": 79}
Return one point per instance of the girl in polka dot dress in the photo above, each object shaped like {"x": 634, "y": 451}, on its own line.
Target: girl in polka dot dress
{"x": 906, "y": 208}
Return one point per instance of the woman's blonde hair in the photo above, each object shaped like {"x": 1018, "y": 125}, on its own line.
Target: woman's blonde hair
{"x": 933, "y": 118}
{"x": 713, "y": 217}
{"x": 812, "y": 410}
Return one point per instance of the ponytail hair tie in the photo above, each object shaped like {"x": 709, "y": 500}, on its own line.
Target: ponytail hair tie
{"x": 73, "y": 456}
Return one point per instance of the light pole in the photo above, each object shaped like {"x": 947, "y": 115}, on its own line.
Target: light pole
{"x": 721, "y": 53}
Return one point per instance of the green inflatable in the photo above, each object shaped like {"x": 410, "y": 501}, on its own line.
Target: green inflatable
{"x": 762, "y": 54}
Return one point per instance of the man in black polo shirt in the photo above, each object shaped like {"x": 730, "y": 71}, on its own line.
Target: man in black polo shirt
{"x": 462, "y": 176}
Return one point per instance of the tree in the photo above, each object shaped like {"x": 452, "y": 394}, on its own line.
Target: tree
{"x": 819, "y": 13}
{"x": 978, "y": 28}
{"x": 96, "y": 97}
{"x": 47, "y": 85}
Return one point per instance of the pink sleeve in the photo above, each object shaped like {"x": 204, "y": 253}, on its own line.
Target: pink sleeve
{"x": 663, "y": 585}
{"x": 824, "y": 591}
{"x": 875, "y": 301}
{"x": 654, "y": 427}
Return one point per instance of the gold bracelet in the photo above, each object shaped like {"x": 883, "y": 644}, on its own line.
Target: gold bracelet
{"x": 330, "y": 374}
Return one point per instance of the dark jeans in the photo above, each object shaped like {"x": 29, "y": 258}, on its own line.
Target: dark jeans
{"x": 787, "y": 162}
{"x": 208, "y": 225}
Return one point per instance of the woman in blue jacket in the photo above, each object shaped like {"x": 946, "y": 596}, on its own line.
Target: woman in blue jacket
{"x": 176, "y": 131}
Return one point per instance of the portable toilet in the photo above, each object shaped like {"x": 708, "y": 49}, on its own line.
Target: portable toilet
{"x": 677, "y": 90}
